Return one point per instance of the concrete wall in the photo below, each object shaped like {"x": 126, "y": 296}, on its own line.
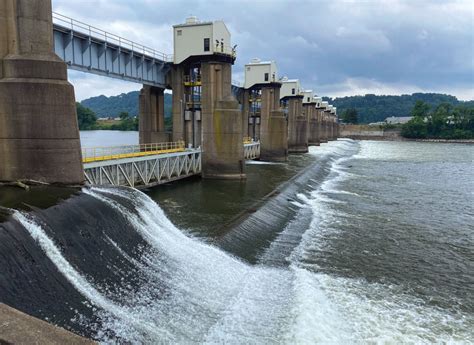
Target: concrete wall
{"x": 39, "y": 135}
{"x": 20, "y": 328}
{"x": 364, "y": 132}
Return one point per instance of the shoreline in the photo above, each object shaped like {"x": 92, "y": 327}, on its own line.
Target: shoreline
{"x": 379, "y": 138}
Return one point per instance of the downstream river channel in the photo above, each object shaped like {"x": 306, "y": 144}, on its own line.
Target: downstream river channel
{"x": 354, "y": 242}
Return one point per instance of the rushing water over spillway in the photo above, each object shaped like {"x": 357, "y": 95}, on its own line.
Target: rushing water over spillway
{"x": 369, "y": 242}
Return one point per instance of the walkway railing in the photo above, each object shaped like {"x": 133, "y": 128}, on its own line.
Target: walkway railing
{"x": 96, "y": 154}
{"x": 248, "y": 140}
{"x": 108, "y": 37}
{"x": 252, "y": 150}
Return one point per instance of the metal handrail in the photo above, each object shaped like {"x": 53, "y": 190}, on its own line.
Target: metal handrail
{"x": 108, "y": 37}
{"x": 94, "y": 154}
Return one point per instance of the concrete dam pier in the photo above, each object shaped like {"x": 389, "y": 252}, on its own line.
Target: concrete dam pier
{"x": 39, "y": 135}
{"x": 217, "y": 124}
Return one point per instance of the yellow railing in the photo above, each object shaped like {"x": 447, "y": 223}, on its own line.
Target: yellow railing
{"x": 196, "y": 81}
{"x": 248, "y": 140}
{"x": 95, "y": 154}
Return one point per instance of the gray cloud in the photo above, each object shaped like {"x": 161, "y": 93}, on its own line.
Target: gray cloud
{"x": 334, "y": 47}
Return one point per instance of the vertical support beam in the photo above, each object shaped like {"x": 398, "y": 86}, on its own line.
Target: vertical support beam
{"x": 314, "y": 127}
{"x": 245, "y": 113}
{"x": 273, "y": 125}
{"x": 221, "y": 120}
{"x": 151, "y": 117}
{"x": 297, "y": 125}
{"x": 39, "y": 135}
{"x": 178, "y": 102}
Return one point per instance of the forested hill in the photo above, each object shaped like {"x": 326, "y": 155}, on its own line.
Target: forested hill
{"x": 112, "y": 106}
{"x": 372, "y": 108}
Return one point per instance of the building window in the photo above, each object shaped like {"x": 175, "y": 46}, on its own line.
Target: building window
{"x": 248, "y": 68}
{"x": 293, "y": 91}
{"x": 266, "y": 76}
{"x": 206, "y": 44}
{"x": 308, "y": 99}
{"x": 179, "y": 32}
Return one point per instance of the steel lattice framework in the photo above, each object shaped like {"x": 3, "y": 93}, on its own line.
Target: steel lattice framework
{"x": 252, "y": 150}
{"x": 144, "y": 171}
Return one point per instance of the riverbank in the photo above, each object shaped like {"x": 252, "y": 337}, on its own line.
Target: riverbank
{"x": 366, "y": 132}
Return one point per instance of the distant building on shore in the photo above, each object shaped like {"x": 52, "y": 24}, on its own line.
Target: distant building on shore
{"x": 393, "y": 120}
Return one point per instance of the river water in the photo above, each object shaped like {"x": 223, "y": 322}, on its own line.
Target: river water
{"x": 361, "y": 242}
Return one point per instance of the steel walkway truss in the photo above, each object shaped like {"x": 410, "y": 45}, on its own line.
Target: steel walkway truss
{"x": 252, "y": 150}
{"x": 146, "y": 171}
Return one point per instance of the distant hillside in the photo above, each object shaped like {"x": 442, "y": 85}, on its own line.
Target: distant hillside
{"x": 112, "y": 106}
{"x": 372, "y": 108}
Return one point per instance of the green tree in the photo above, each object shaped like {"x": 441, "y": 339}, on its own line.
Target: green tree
{"x": 420, "y": 109}
{"x": 350, "y": 116}
{"x": 86, "y": 118}
{"x": 127, "y": 123}
{"x": 444, "y": 122}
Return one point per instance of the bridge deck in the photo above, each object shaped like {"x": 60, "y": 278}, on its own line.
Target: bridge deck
{"x": 92, "y": 50}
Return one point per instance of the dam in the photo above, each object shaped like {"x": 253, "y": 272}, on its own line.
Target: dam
{"x": 251, "y": 222}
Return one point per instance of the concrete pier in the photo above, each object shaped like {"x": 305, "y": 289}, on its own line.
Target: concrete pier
{"x": 297, "y": 125}
{"x": 273, "y": 125}
{"x": 314, "y": 128}
{"x": 152, "y": 116}
{"x": 323, "y": 133}
{"x": 222, "y": 133}
{"x": 39, "y": 135}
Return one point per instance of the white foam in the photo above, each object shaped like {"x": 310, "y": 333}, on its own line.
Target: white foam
{"x": 209, "y": 296}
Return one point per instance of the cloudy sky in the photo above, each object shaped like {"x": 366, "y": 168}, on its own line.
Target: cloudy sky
{"x": 336, "y": 48}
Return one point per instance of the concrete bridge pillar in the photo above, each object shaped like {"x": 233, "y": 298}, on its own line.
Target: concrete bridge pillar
{"x": 313, "y": 138}
{"x": 273, "y": 125}
{"x": 246, "y": 126}
{"x": 152, "y": 115}
{"x": 222, "y": 132}
{"x": 332, "y": 128}
{"x": 323, "y": 127}
{"x": 178, "y": 102}
{"x": 297, "y": 125}
{"x": 39, "y": 135}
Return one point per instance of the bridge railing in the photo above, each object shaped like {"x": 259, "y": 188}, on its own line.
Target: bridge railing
{"x": 108, "y": 37}
{"x": 252, "y": 150}
{"x": 95, "y": 154}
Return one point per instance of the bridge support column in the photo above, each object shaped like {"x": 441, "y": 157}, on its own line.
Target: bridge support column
{"x": 222, "y": 132}
{"x": 332, "y": 129}
{"x": 297, "y": 126}
{"x": 313, "y": 138}
{"x": 39, "y": 135}
{"x": 323, "y": 127}
{"x": 247, "y": 130}
{"x": 178, "y": 103}
{"x": 273, "y": 125}
{"x": 152, "y": 115}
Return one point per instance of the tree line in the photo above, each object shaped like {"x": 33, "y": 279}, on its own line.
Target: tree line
{"x": 87, "y": 120}
{"x": 376, "y": 108}
{"x": 444, "y": 121}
